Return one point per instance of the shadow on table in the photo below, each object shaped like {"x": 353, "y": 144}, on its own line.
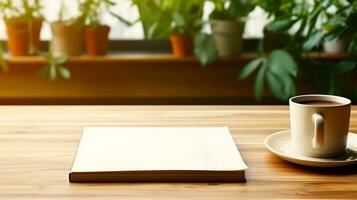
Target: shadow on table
{"x": 346, "y": 170}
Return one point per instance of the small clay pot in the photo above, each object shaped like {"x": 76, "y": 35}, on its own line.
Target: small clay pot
{"x": 97, "y": 40}
{"x": 20, "y": 32}
{"x": 228, "y": 35}
{"x": 182, "y": 45}
{"x": 67, "y": 37}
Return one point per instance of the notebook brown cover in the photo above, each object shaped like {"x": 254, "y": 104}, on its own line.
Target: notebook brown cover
{"x": 122, "y": 154}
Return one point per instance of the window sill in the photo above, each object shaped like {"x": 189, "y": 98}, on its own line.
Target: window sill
{"x": 135, "y": 79}
{"x": 147, "y": 57}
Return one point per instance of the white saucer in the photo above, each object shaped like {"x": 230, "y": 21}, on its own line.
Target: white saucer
{"x": 279, "y": 144}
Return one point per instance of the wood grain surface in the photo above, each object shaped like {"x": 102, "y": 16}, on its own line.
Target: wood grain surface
{"x": 38, "y": 144}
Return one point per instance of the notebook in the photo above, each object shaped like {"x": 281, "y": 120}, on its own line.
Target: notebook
{"x": 165, "y": 154}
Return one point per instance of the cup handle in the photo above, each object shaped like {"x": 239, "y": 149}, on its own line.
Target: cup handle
{"x": 318, "y": 140}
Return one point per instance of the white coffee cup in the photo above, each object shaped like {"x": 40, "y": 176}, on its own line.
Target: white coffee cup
{"x": 319, "y": 124}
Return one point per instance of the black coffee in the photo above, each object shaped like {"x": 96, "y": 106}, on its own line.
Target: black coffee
{"x": 320, "y": 102}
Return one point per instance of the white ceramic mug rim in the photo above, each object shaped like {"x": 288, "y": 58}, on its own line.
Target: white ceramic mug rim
{"x": 342, "y": 101}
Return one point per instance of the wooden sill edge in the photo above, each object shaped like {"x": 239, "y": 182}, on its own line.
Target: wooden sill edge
{"x": 137, "y": 58}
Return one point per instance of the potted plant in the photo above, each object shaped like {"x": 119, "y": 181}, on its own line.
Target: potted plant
{"x": 185, "y": 23}
{"x": 23, "y": 20}
{"x": 3, "y": 63}
{"x": 339, "y": 29}
{"x": 279, "y": 67}
{"x": 180, "y": 21}
{"x": 67, "y": 34}
{"x": 150, "y": 15}
{"x": 227, "y": 24}
{"x": 95, "y": 32}
{"x": 23, "y": 26}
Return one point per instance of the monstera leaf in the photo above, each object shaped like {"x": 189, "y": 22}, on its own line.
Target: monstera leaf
{"x": 278, "y": 69}
{"x": 205, "y": 48}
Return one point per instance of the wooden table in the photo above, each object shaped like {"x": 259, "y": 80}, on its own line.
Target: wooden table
{"x": 37, "y": 146}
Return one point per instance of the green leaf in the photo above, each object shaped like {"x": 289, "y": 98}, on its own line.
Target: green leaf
{"x": 289, "y": 87}
{"x": 259, "y": 82}
{"x": 352, "y": 47}
{"x": 301, "y": 9}
{"x": 314, "y": 15}
{"x": 334, "y": 22}
{"x": 205, "y": 48}
{"x": 312, "y": 41}
{"x": 110, "y": 3}
{"x": 152, "y": 29}
{"x": 260, "y": 47}
{"x": 3, "y": 64}
{"x": 52, "y": 73}
{"x": 240, "y": 8}
{"x": 300, "y": 31}
{"x": 280, "y": 62}
{"x": 282, "y": 87}
{"x": 276, "y": 86}
{"x": 318, "y": 8}
{"x": 344, "y": 67}
{"x": 334, "y": 34}
{"x": 121, "y": 19}
{"x": 332, "y": 89}
{"x": 158, "y": 29}
{"x": 178, "y": 20}
{"x": 250, "y": 68}
{"x": 64, "y": 72}
{"x": 280, "y": 25}
{"x": 199, "y": 23}
{"x": 61, "y": 59}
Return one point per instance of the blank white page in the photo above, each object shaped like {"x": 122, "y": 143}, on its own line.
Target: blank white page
{"x": 104, "y": 149}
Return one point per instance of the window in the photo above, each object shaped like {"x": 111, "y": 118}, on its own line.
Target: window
{"x": 254, "y": 24}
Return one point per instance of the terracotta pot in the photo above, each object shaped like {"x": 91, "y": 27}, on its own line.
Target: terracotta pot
{"x": 182, "y": 45}
{"x": 228, "y": 36}
{"x": 97, "y": 40}
{"x": 19, "y": 34}
{"x": 67, "y": 37}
